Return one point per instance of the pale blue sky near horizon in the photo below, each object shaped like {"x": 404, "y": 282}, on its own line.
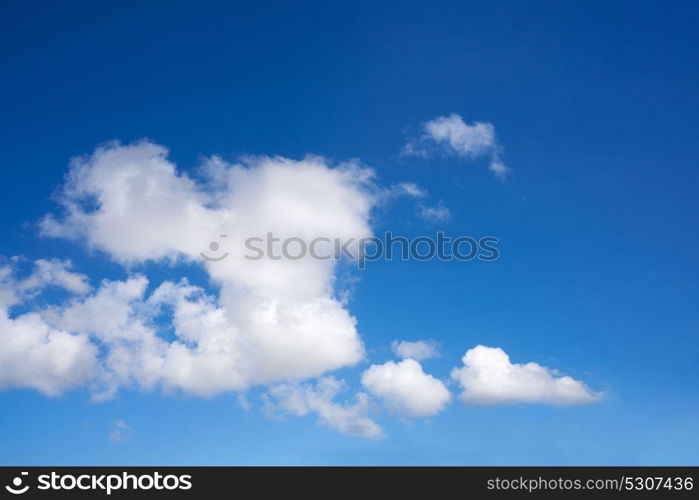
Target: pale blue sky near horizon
{"x": 596, "y": 107}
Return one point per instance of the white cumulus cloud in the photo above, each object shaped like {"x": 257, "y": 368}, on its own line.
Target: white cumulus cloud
{"x": 271, "y": 320}
{"x": 489, "y": 377}
{"x": 33, "y": 353}
{"x": 406, "y": 388}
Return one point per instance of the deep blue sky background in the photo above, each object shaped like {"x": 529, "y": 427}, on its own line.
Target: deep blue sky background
{"x": 597, "y": 106}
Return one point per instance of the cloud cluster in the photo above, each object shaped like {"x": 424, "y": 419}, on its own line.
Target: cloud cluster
{"x": 488, "y": 377}
{"x": 451, "y": 135}
{"x": 265, "y": 322}
{"x": 271, "y": 320}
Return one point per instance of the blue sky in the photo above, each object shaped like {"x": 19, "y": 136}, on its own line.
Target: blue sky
{"x": 595, "y": 107}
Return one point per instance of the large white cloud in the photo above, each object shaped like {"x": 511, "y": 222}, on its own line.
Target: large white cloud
{"x": 272, "y": 319}
{"x": 488, "y": 377}
{"x": 406, "y": 388}
{"x": 33, "y": 354}
{"x": 454, "y": 136}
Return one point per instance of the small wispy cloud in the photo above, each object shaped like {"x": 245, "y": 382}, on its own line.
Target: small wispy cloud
{"x": 410, "y": 189}
{"x": 320, "y": 399}
{"x": 244, "y": 402}
{"x": 434, "y": 213}
{"x": 402, "y": 189}
{"x": 451, "y": 135}
{"x": 118, "y": 432}
{"x": 419, "y": 350}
